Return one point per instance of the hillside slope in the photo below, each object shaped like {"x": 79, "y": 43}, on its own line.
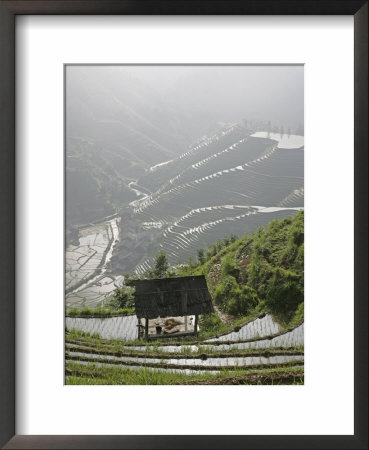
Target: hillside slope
{"x": 116, "y": 128}
{"x": 247, "y": 277}
{"x": 260, "y": 272}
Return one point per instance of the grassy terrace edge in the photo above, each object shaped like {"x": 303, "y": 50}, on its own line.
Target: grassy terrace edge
{"x": 90, "y": 374}
{"x": 203, "y": 353}
{"x": 100, "y": 312}
{"x": 163, "y": 365}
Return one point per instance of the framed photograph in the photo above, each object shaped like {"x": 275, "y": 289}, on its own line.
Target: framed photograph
{"x": 183, "y": 225}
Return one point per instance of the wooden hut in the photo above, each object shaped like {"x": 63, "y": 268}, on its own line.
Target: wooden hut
{"x": 180, "y": 297}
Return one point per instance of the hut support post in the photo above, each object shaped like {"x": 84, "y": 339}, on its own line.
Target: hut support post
{"x": 146, "y": 328}
{"x": 185, "y": 323}
{"x": 139, "y": 328}
{"x": 196, "y": 321}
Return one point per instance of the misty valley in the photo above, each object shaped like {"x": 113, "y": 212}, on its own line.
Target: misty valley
{"x": 161, "y": 171}
{"x": 230, "y": 183}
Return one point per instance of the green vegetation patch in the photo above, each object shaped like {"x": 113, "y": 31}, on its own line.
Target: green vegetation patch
{"x": 203, "y": 353}
{"x": 85, "y": 374}
{"x": 99, "y": 312}
{"x": 164, "y": 365}
{"x": 259, "y": 272}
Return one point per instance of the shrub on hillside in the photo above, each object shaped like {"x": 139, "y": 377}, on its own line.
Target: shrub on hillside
{"x": 228, "y": 265}
{"x": 284, "y": 292}
{"x": 243, "y": 301}
{"x": 210, "y": 322}
{"x": 259, "y": 272}
{"x": 211, "y": 251}
{"x": 122, "y": 297}
{"x": 225, "y": 291}
{"x": 298, "y": 315}
{"x": 235, "y": 299}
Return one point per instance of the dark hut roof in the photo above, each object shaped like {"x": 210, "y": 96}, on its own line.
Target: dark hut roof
{"x": 165, "y": 297}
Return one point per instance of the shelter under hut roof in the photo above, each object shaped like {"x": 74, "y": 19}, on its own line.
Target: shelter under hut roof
{"x": 172, "y": 297}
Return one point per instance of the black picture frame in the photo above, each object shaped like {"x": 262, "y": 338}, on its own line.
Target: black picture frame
{"x": 8, "y": 11}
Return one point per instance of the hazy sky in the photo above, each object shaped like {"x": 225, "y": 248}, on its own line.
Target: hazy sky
{"x": 265, "y": 92}
{"x": 209, "y": 94}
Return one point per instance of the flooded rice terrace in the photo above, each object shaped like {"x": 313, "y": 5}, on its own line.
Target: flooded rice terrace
{"x": 124, "y": 328}
{"x": 87, "y": 281}
{"x": 259, "y": 336}
{"x": 260, "y": 331}
{"x": 284, "y": 140}
{"x": 260, "y": 327}
{"x": 215, "y": 362}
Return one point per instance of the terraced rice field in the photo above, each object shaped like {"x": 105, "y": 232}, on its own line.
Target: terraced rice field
{"x": 284, "y": 141}
{"x": 257, "y": 345}
{"x": 211, "y": 363}
{"x": 230, "y": 183}
{"x": 94, "y": 293}
{"x": 164, "y": 174}
{"x": 260, "y": 327}
{"x": 86, "y": 280}
{"x": 124, "y": 328}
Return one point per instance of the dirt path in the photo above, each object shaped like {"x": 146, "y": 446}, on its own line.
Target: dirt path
{"x": 224, "y": 317}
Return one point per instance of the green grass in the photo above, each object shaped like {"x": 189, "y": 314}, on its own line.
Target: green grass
{"x": 222, "y": 328}
{"x": 270, "y": 262}
{"x": 260, "y": 272}
{"x": 99, "y": 312}
{"x": 298, "y": 317}
{"x": 85, "y": 374}
{"x": 203, "y": 352}
{"x": 79, "y": 334}
{"x": 165, "y": 364}
{"x": 93, "y": 373}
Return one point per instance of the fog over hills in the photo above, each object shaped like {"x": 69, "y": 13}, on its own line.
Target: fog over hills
{"x": 230, "y": 93}
{"x": 173, "y": 151}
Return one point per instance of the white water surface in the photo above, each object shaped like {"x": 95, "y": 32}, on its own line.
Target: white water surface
{"x": 153, "y": 168}
{"x": 284, "y": 141}
{"x": 212, "y": 361}
{"x": 124, "y": 328}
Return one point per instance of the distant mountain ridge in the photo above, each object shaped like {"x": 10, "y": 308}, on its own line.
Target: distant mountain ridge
{"x": 114, "y": 131}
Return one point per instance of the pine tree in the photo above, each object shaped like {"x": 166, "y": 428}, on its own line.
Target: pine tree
{"x": 161, "y": 264}
{"x": 201, "y": 256}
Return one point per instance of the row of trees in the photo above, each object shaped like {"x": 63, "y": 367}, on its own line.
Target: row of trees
{"x": 123, "y": 297}
{"x": 255, "y": 125}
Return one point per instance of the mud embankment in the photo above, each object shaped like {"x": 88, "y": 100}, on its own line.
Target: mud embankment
{"x": 132, "y": 245}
